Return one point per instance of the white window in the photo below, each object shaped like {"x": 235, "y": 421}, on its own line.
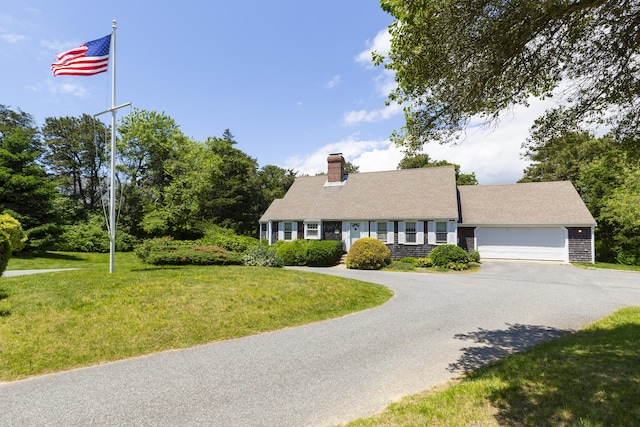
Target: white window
{"x": 382, "y": 231}
{"x": 410, "y": 231}
{"x": 288, "y": 229}
{"x": 441, "y": 232}
{"x": 311, "y": 230}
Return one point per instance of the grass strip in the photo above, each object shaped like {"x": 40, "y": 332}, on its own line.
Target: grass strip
{"x": 589, "y": 378}
{"x": 57, "y": 321}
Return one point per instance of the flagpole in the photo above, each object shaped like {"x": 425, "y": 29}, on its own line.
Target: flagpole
{"x": 112, "y": 194}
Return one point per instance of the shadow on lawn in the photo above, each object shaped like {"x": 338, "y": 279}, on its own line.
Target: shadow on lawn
{"x": 589, "y": 378}
{"x": 499, "y": 343}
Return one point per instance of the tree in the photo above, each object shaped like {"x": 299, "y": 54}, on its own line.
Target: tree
{"x": 150, "y": 144}
{"x": 26, "y": 193}
{"x": 274, "y": 183}
{"x": 423, "y": 160}
{"x": 458, "y": 59}
{"x": 76, "y": 150}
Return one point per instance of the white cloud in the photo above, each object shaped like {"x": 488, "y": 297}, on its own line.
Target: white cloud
{"x": 333, "y": 82}
{"x": 12, "y": 38}
{"x": 368, "y": 155}
{"x": 75, "y": 89}
{"x": 380, "y": 44}
{"x": 370, "y": 116}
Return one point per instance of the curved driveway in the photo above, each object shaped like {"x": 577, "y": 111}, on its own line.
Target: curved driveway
{"x": 337, "y": 370}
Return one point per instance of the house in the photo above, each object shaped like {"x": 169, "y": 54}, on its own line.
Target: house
{"x": 414, "y": 210}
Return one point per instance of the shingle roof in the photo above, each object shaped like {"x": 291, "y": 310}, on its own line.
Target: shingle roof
{"x": 526, "y": 203}
{"x": 401, "y": 194}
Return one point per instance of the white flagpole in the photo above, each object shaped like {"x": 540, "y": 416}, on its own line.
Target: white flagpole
{"x": 112, "y": 194}
{"x": 112, "y": 181}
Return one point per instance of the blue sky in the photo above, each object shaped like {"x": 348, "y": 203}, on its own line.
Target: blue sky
{"x": 292, "y": 80}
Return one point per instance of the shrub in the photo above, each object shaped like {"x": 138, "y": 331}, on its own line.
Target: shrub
{"x": 442, "y": 255}
{"x": 368, "y": 253}
{"x": 323, "y": 253}
{"x": 424, "y": 262}
{"x": 312, "y": 253}
{"x": 409, "y": 260}
{"x": 474, "y": 256}
{"x": 218, "y": 236}
{"x": 193, "y": 255}
{"x": 158, "y": 244}
{"x": 262, "y": 256}
{"x": 13, "y": 229}
{"x": 92, "y": 236}
{"x": 5, "y": 251}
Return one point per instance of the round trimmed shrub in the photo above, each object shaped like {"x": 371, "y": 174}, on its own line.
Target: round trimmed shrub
{"x": 444, "y": 255}
{"x": 368, "y": 253}
{"x": 13, "y": 229}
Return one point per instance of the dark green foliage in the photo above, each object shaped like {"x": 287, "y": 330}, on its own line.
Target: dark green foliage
{"x": 262, "y": 256}
{"x": 474, "y": 256}
{"x": 368, "y": 254}
{"x": 166, "y": 251}
{"x": 312, "y": 253}
{"x": 194, "y": 255}
{"x": 449, "y": 256}
{"x": 26, "y": 193}
{"x": 5, "y": 251}
{"x": 92, "y": 236}
{"x": 226, "y": 238}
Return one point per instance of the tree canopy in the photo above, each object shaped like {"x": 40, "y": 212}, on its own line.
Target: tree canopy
{"x": 458, "y": 59}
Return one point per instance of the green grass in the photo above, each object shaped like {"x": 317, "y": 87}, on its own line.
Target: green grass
{"x": 609, "y": 266}
{"x": 589, "y": 378}
{"x": 57, "y": 321}
{"x": 400, "y": 266}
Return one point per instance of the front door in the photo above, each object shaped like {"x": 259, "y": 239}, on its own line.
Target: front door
{"x": 355, "y": 232}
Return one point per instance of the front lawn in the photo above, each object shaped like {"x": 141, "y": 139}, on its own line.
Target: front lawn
{"x": 56, "y": 321}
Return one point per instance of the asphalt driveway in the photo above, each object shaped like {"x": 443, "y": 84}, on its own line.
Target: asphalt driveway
{"x": 435, "y": 327}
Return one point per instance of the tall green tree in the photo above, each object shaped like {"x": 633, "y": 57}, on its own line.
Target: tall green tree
{"x": 149, "y": 143}
{"x": 76, "y": 152}
{"x": 26, "y": 193}
{"x": 233, "y": 201}
{"x": 458, "y": 59}
{"x": 423, "y": 160}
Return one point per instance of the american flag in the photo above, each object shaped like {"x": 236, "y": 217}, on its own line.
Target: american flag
{"x": 86, "y": 60}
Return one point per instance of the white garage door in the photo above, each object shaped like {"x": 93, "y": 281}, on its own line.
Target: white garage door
{"x": 522, "y": 243}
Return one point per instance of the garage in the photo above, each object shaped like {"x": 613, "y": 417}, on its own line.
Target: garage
{"x": 529, "y": 243}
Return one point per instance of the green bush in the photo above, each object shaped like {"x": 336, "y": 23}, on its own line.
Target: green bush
{"x": 368, "y": 253}
{"x": 217, "y": 236}
{"x": 312, "y": 253}
{"x": 424, "y": 262}
{"x": 13, "y": 229}
{"x": 5, "y": 251}
{"x": 474, "y": 256}
{"x": 159, "y": 244}
{"x": 262, "y": 256}
{"x": 409, "y": 260}
{"x": 92, "y": 236}
{"x": 193, "y": 255}
{"x": 627, "y": 256}
{"x": 442, "y": 255}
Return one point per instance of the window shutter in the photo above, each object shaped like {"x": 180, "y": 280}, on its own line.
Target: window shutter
{"x": 373, "y": 230}
{"x": 420, "y": 232}
{"x": 294, "y": 230}
{"x": 390, "y": 232}
{"x": 452, "y": 233}
{"x": 401, "y": 228}
{"x": 431, "y": 232}
{"x": 281, "y": 231}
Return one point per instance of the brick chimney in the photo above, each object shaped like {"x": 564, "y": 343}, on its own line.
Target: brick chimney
{"x": 335, "y": 167}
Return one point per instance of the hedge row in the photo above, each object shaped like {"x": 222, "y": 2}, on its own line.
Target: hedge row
{"x": 165, "y": 251}
{"x": 311, "y": 253}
